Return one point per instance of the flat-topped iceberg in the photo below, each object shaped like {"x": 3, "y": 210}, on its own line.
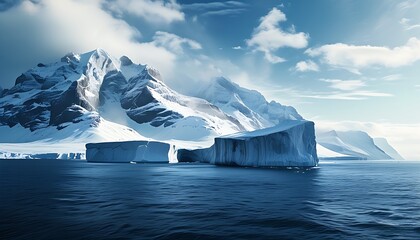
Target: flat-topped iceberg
{"x": 131, "y": 151}
{"x": 291, "y": 143}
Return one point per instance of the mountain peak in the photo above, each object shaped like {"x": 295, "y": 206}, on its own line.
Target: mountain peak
{"x": 153, "y": 73}
{"x": 97, "y": 51}
{"x": 125, "y": 61}
{"x": 71, "y": 57}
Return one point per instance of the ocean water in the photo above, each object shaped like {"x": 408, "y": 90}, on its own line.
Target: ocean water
{"x": 63, "y": 199}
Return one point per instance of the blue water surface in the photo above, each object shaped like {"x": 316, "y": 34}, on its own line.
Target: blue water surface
{"x": 64, "y": 199}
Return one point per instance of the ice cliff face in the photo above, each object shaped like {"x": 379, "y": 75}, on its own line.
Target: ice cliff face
{"x": 291, "y": 143}
{"x": 126, "y": 152}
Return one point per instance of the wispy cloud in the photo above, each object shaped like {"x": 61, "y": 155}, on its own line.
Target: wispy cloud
{"x": 353, "y": 95}
{"x": 405, "y": 5}
{"x": 217, "y": 8}
{"x": 237, "y": 48}
{"x": 268, "y": 37}
{"x": 405, "y": 22}
{"x": 174, "y": 42}
{"x": 345, "y": 90}
{"x": 224, "y": 12}
{"x": 344, "y": 85}
{"x": 213, "y": 5}
{"x": 307, "y": 66}
{"x": 354, "y": 58}
{"x": 392, "y": 77}
{"x": 157, "y": 11}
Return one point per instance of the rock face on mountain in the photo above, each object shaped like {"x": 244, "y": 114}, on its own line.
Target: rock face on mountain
{"x": 57, "y": 94}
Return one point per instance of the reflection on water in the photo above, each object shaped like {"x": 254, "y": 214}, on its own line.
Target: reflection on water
{"x": 77, "y": 200}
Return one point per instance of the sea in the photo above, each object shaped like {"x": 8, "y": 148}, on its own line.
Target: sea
{"x": 73, "y": 199}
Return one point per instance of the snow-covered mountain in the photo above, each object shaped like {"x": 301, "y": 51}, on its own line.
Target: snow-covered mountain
{"x": 57, "y": 108}
{"x": 94, "y": 97}
{"x": 248, "y": 106}
{"x": 348, "y": 145}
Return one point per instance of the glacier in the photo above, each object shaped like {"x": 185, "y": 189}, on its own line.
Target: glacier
{"x": 291, "y": 143}
{"x": 129, "y": 151}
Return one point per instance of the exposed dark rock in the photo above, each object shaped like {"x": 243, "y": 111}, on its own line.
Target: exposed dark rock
{"x": 69, "y": 115}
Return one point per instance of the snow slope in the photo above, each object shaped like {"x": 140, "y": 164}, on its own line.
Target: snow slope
{"x": 349, "y": 145}
{"x": 69, "y": 142}
{"x": 383, "y": 144}
{"x": 248, "y": 106}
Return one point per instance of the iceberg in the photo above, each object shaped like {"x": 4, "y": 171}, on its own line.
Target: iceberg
{"x": 130, "y": 151}
{"x": 289, "y": 144}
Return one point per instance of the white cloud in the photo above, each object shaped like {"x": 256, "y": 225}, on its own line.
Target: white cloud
{"x": 344, "y": 90}
{"x": 306, "y": 66}
{"x": 217, "y": 8}
{"x": 174, "y": 42}
{"x": 54, "y": 28}
{"x": 351, "y": 95}
{"x": 268, "y": 37}
{"x": 405, "y": 138}
{"x": 354, "y": 58}
{"x": 213, "y": 5}
{"x": 157, "y": 11}
{"x": 222, "y": 12}
{"x": 344, "y": 85}
{"x": 237, "y": 48}
{"x": 406, "y": 5}
{"x": 405, "y": 22}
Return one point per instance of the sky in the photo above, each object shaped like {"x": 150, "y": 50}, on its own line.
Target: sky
{"x": 354, "y": 65}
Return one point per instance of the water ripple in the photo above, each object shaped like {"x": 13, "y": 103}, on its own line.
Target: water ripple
{"x": 76, "y": 200}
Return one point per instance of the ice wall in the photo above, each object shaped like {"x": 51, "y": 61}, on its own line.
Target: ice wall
{"x": 292, "y": 143}
{"x": 131, "y": 151}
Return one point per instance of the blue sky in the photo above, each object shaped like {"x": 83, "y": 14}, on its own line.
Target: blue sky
{"x": 335, "y": 61}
